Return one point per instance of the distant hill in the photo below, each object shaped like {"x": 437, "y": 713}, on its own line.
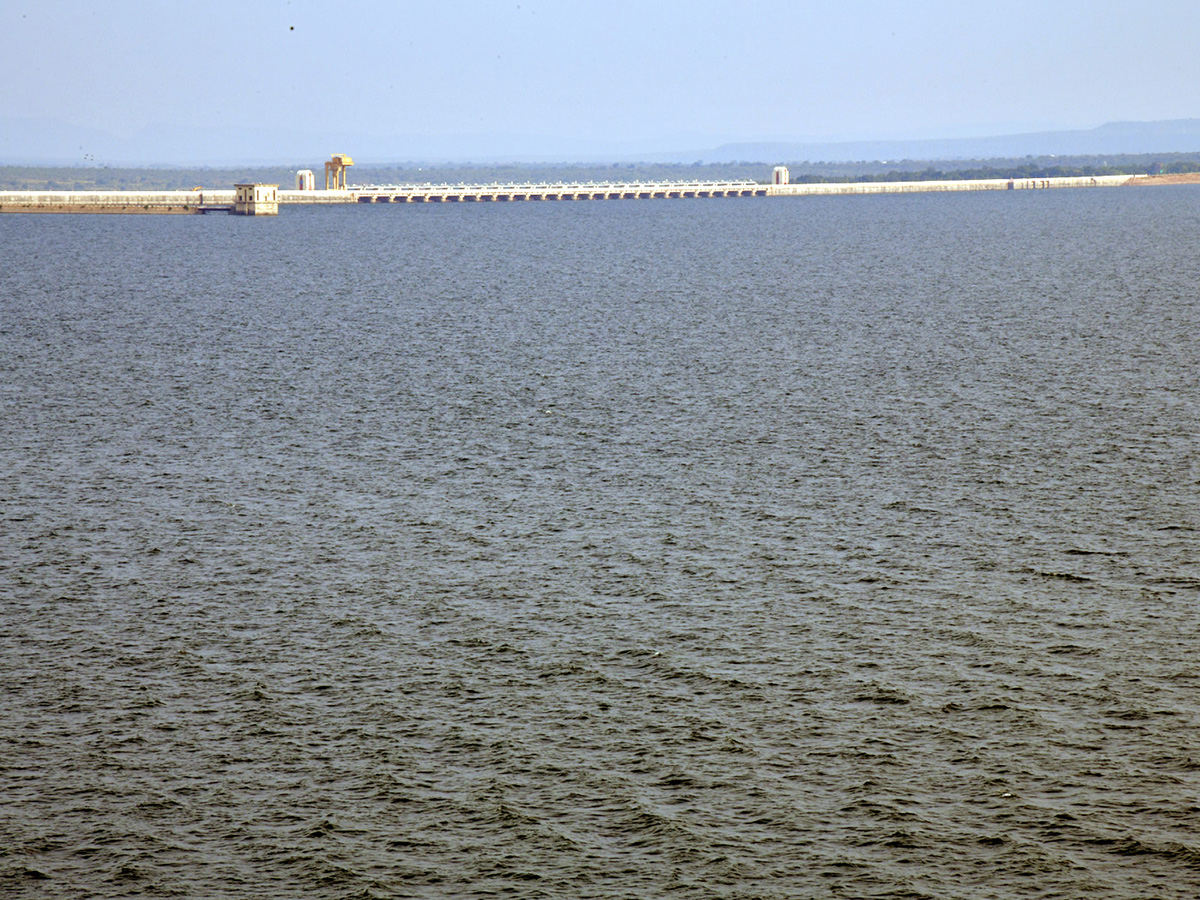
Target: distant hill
{"x": 41, "y": 142}
{"x": 1174, "y": 136}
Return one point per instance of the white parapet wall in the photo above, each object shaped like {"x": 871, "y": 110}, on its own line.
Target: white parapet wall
{"x": 113, "y": 201}
{"x": 147, "y": 201}
{"x": 912, "y": 187}
{"x": 318, "y": 196}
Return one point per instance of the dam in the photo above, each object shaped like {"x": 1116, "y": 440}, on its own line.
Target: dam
{"x": 252, "y": 199}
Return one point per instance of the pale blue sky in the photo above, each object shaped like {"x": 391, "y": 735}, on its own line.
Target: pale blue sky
{"x": 609, "y": 74}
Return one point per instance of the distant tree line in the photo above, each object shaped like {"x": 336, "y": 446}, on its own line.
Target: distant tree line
{"x": 98, "y": 178}
{"x": 1009, "y": 172}
{"x": 115, "y": 178}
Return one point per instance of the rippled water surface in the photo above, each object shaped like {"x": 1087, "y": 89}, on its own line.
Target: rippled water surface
{"x": 826, "y": 547}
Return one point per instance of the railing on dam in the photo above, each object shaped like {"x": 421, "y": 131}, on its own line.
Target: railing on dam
{"x": 457, "y": 193}
{"x": 979, "y": 184}
{"x": 646, "y": 190}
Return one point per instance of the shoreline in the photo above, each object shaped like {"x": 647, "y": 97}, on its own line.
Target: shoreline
{"x": 1185, "y": 178}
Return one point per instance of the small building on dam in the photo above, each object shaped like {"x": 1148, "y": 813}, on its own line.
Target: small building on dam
{"x": 252, "y": 199}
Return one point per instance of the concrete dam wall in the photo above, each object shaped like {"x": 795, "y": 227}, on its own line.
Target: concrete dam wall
{"x": 983, "y": 184}
{"x": 201, "y": 201}
{"x": 147, "y": 201}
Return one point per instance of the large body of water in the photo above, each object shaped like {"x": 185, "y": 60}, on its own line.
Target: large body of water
{"x": 837, "y": 547}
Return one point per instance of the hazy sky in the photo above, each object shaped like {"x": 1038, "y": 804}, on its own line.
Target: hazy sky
{"x": 614, "y": 72}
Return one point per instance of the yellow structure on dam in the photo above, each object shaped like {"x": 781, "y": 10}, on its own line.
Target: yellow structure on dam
{"x": 335, "y": 171}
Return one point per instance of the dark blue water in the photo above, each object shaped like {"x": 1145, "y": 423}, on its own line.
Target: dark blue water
{"x": 778, "y": 548}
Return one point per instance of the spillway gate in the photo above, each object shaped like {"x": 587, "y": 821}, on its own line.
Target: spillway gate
{"x": 459, "y": 193}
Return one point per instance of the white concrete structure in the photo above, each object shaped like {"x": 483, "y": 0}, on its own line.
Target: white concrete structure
{"x": 306, "y": 180}
{"x": 981, "y": 184}
{"x": 455, "y": 193}
{"x": 287, "y": 198}
{"x": 780, "y": 175}
{"x": 115, "y": 201}
{"x": 252, "y": 199}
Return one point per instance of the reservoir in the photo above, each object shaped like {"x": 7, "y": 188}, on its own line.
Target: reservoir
{"x": 838, "y": 548}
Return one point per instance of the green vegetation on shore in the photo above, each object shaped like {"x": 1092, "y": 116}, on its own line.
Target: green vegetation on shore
{"x": 100, "y": 178}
